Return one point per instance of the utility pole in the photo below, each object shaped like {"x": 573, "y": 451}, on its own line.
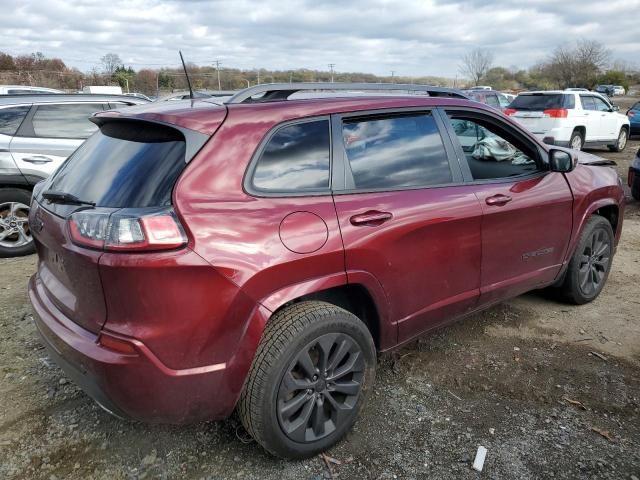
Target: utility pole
{"x": 217, "y": 62}
{"x": 393, "y": 72}
{"x": 331, "y": 65}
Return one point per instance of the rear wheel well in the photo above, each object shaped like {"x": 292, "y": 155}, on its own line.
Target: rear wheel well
{"x": 610, "y": 212}
{"x": 355, "y": 299}
{"x": 582, "y": 130}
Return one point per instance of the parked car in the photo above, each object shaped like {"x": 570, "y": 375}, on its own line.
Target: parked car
{"x": 572, "y": 119}
{"x": 219, "y": 94}
{"x": 633, "y": 179}
{"x": 481, "y": 87}
{"x": 37, "y": 133}
{"x": 25, "y": 90}
{"x": 577, "y": 89}
{"x": 103, "y": 89}
{"x": 634, "y": 119}
{"x": 493, "y": 98}
{"x": 140, "y": 95}
{"x": 195, "y": 258}
{"x": 619, "y": 90}
{"x": 607, "y": 90}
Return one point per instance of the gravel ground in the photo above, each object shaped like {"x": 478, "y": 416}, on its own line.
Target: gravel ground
{"x": 552, "y": 391}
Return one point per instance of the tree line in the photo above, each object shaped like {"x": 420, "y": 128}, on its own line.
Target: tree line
{"x": 583, "y": 64}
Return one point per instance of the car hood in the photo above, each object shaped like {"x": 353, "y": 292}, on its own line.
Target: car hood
{"x": 585, "y": 158}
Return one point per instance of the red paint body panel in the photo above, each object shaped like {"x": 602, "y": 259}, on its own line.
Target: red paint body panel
{"x": 426, "y": 257}
{"x": 195, "y": 316}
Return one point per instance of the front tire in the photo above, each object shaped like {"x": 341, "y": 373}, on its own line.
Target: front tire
{"x": 309, "y": 379}
{"x": 15, "y": 236}
{"x": 621, "y": 143}
{"x": 589, "y": 267}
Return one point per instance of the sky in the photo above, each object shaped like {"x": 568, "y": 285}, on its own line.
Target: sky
{"x": 409, "y": 37}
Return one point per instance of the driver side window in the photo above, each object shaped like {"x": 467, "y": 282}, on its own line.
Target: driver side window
{"x": 489, "y": 152}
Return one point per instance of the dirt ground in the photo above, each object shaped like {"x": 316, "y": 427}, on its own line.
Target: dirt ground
{"x": 551, "y": 390}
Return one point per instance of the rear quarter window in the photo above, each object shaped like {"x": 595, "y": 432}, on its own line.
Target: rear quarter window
{"x": 11, "y": 118}
{"x": 296, "y": 158}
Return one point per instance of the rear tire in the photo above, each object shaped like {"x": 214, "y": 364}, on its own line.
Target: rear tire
{"x": 297, "y": 400}
{"x": 589, "y": 267}
{"x": 15, "y": 236}
{"x": 576, "y": 141}
{"x": 622, "y": 141}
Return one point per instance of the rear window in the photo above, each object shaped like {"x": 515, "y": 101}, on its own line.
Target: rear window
{"x": 125, "y": 164}
{"x": 11, "y": 118}
{"x": 539, "y": 102}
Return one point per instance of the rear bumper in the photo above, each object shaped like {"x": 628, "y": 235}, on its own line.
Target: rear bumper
{"x": 136, "y": 385}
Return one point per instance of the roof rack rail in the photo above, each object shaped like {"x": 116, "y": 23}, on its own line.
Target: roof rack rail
{"x": 272, "y": 92}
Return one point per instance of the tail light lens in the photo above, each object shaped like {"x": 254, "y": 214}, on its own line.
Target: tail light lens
{"x": 631, "y": 113}
{"x": 509, "y": 111}
{"x": 127, "y": 230}
{"x": 556, "y": 112}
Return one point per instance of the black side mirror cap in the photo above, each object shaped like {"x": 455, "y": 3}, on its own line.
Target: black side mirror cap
{"x": 560, "y": 161}
{"x": 549, "y": 140}
{"x": 615, "y": 108}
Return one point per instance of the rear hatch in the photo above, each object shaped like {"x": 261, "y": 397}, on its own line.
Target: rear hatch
{"x": 539, "y": 112}
{"x": 127, "y": 166}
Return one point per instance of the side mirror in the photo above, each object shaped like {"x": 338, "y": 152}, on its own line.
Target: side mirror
{"x": 549, "y": 140}
{"x": 560, "y": 161}
{"x": 615, "y": 108}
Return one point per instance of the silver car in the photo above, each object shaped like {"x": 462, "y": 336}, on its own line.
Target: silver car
{"x": 37, "y": 134}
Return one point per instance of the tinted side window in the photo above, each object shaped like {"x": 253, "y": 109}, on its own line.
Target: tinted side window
{"x": 295, "y": 158}
{"x": 396, "y": 152}
{"x": 11, "y": 118}
{"x": 490, "y": 152}
{"x": 65, "y": 121}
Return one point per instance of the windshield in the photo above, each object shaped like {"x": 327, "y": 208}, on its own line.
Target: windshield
{"x": 542, "y": 101}
{"x": 124, "y": 165}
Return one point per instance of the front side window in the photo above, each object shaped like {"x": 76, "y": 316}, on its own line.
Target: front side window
{"x": 490, "y": 152}
{"x": 296, "y": 158}
{"x": 601, "y": 105}
{"x": 65, "y": 121}
{"x": 11, "y": 118}
{"x": 396, "y": 152}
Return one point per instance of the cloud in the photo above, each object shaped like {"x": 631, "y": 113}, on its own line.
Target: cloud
{"x": 409, "y": 37}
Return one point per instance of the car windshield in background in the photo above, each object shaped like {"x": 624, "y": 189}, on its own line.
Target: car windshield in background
{"x": 537, "y": 102}
{"x": 134, "y": 171}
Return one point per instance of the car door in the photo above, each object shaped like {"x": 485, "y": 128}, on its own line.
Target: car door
{"x": 11, "y": 116}
{"x": 405, "y": 217}
{"x": 527, "y": 210}
{"x": 607, "y": 118}
{"x": 591, "y": 119}
{"x": 49, "y": 134}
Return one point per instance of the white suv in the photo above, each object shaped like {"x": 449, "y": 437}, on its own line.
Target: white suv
{"x": 571, "y": 119}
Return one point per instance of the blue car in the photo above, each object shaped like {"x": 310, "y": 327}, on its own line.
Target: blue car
{"x": 634, "y": 118}
{"x": 634, "y": 177}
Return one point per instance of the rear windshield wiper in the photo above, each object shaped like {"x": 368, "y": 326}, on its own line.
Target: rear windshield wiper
{"x": 55, "y": 196}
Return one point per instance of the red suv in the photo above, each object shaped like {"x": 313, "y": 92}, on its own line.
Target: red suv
{"x": 195, "y": 258}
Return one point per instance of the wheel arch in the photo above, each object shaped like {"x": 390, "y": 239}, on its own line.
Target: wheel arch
{"x": 362, "y": 295}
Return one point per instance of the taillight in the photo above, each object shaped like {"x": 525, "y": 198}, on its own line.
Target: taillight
{"x": 127, "y": 230}
{"x": 509, "y": 111}
{"x": 556, "y": 112}
{"x": 116, "y": 344}
{"x": 631, "y": 113}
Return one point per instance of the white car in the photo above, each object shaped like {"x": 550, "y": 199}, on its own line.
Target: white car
{"x": 619, "y": 90}
{"x": 572, "y": 119}
{"x": 25, "y": 90}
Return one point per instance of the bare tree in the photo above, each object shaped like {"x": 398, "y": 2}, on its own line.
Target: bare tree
{"x": 110, "y": 61}
{"x": 578, "y": 65}
{"x": 476, "y": 64}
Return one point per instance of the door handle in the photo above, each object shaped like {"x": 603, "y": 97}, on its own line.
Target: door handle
{"x": 371, "y": 218}
{"x": 38, "y": 159}
{"x": 498, "y": 200}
